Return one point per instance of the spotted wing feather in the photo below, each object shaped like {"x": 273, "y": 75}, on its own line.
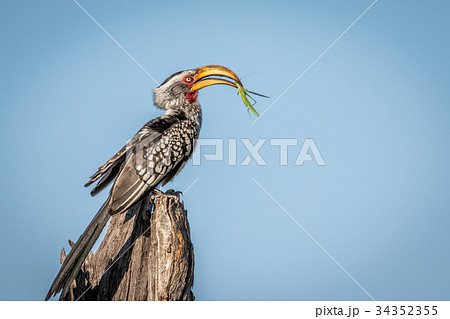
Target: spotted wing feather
{"x": 151, "y": 131}
{"x": 153, "y": 163}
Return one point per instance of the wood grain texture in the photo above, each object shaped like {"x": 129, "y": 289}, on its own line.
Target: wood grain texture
{"x": 146, "y": 254}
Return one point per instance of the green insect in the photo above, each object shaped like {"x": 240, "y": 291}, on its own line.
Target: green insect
{"x": 244, "y": 93}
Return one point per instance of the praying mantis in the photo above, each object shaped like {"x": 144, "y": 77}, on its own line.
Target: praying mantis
{"x": 244, "y": 93}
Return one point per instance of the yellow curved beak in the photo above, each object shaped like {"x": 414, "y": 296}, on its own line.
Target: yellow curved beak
{"x": 202, "y": 78}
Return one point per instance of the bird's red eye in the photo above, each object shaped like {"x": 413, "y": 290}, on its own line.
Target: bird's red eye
{"x": 188, "y": 79}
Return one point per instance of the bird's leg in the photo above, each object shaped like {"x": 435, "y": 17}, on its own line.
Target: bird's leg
{"x": 155, "y": 193}
{"x": 175, "y": 195}
{"x": 170, "y": 193}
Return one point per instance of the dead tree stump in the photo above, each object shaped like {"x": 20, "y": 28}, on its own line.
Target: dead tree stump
{"x": 144, "y": 255}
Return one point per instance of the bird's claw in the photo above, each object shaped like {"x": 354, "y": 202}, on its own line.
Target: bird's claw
{"x": 175, "y": 195}
{"x": 172, "y": 192}
{"x": 169, "y": 193}
{"x": 155, "y": 193}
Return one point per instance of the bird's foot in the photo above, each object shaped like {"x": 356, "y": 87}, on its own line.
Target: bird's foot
{"x": 173, "y": 194}
{"x": 170, "y": 193}
{"x": 155, "y": 193}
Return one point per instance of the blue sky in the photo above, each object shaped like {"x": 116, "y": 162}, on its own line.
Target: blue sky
{"x": 376, "y": 105}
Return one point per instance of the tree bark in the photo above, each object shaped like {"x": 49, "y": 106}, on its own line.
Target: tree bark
{"x": 144, "y": 255}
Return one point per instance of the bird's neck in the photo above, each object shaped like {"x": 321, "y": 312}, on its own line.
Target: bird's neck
{"x": 191, "y": 111}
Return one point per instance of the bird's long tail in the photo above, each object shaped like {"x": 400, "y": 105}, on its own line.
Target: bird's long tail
{"x": 71, "y": 265}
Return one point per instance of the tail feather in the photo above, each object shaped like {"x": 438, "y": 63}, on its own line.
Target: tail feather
{"x": 72, "y": 263}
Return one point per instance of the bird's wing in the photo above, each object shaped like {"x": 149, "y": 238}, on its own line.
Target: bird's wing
{"x": 152, "y": 162}
{"x": 151, "y": 131}
{"x": 187, "y": 149}
{"x": 108, "y": 171}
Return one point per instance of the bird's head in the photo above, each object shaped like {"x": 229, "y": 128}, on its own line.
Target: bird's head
{"x": 181, "y": 88}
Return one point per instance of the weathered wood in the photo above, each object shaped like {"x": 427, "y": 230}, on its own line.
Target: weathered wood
{"x": 144, "y": 256}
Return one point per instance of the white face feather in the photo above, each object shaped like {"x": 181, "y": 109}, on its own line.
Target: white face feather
{"x": 171, "y": 93}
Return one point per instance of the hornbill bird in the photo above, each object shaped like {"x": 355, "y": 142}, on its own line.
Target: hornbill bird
{"x": 153, "y": 157}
